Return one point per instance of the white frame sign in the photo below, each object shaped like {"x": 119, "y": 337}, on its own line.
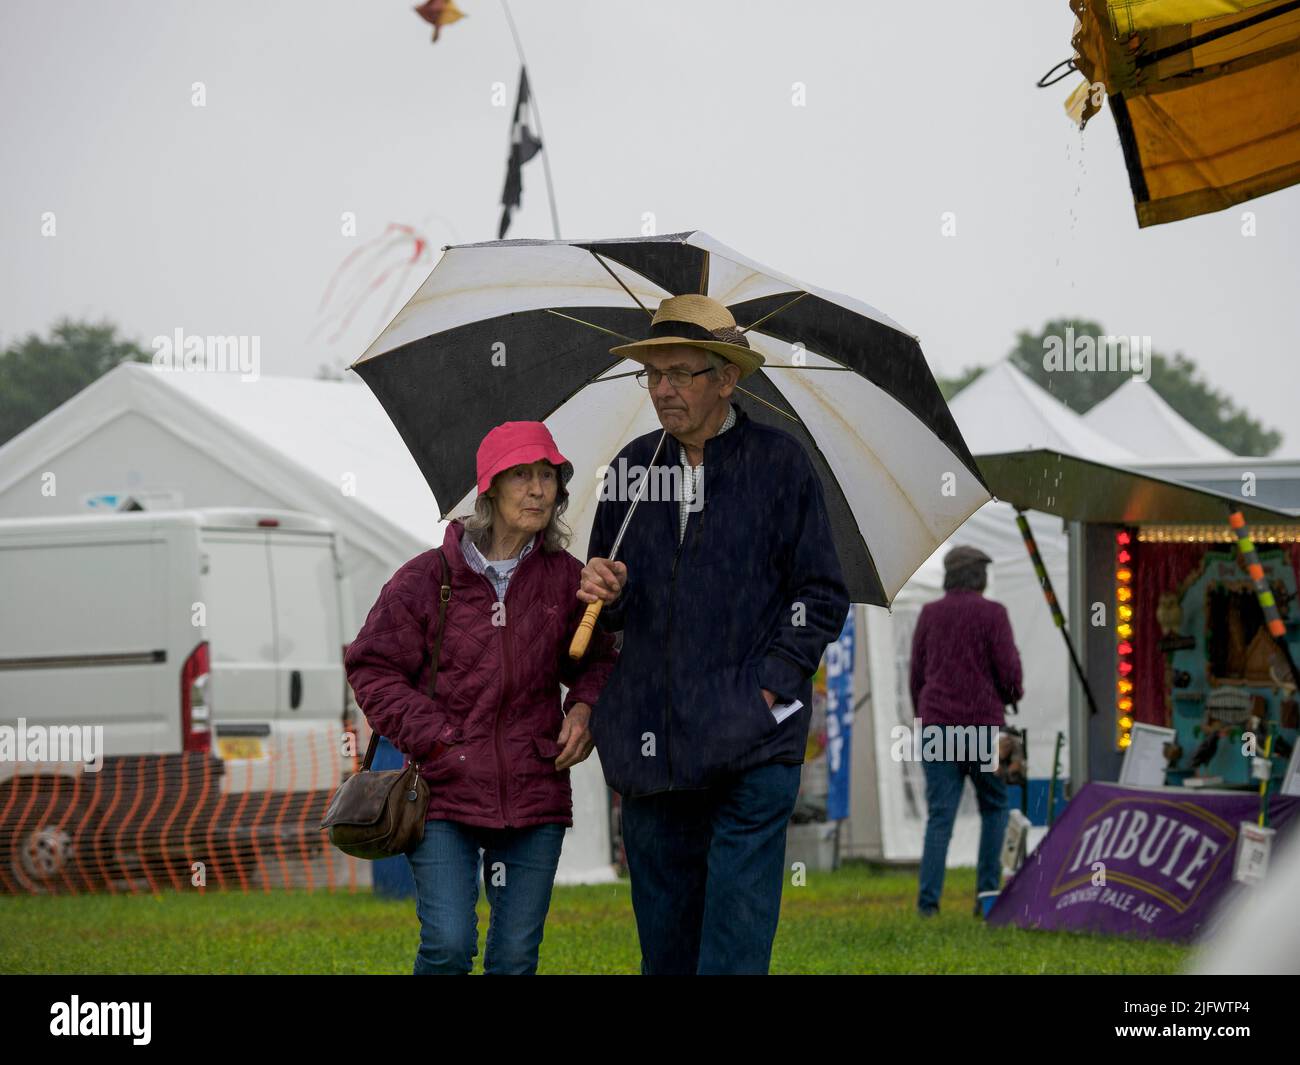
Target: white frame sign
{"x": 1144, "y": 758}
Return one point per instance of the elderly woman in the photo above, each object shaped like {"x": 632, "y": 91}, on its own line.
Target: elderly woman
{"x": 494, "y": 742}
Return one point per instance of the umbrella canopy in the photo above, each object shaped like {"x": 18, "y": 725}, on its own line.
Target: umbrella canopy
{"x": 1204, "y": 97}
{"x": 520, "y": 330}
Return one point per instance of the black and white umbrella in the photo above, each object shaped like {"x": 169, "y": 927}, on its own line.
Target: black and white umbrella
{"x": 520, "y": 330}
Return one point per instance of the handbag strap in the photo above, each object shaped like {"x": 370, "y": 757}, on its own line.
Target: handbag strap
{"x": 444, "y": 594}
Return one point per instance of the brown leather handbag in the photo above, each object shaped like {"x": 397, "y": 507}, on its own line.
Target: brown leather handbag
{"x": 380, "y": 815}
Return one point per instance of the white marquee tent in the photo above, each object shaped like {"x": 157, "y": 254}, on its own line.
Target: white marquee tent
{"x": 1004, "y": 410}
{"x": 178, "y": 439}
{"x": 1150, "y": 428}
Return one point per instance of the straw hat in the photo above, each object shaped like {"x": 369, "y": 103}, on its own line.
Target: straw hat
{"x": 700, "y": 322}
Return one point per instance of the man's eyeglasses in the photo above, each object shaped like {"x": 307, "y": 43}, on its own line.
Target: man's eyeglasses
{"x": 677, "y": 378}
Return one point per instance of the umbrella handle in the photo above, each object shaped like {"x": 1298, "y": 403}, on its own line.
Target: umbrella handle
{"x": 582, "y": 637}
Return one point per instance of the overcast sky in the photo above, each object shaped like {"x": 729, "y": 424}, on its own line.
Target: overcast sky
{"x": 225, "y": 219}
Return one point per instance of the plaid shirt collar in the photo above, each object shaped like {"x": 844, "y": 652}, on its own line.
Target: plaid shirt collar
{"x": 500, "y": 578}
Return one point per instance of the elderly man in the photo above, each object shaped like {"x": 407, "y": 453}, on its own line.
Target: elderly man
{"x": 727, "y": 591}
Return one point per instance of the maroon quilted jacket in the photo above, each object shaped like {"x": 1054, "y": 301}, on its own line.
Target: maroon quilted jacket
{"x": 487, "y": 741}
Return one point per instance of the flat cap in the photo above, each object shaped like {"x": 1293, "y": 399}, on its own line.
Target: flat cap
{"x": 964, "y": 555}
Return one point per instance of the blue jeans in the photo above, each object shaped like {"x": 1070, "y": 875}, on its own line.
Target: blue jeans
{"x": 943, "y": 784}
{"x": 707, "y": 868}
{"x": 520, "y": 866}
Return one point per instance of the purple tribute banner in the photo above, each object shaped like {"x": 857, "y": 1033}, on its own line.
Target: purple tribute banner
{"x": 1148, "y": 862}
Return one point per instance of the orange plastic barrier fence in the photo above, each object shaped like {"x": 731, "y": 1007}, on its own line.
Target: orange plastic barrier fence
{"x": 187, "y": 822}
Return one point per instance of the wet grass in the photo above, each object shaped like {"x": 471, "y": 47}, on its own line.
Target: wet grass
{"x": 860, "y": 919}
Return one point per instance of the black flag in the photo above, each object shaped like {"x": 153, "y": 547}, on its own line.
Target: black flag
{"x": 523, "y": 146}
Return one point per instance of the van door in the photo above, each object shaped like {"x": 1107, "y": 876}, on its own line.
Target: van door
{"x": 84, "y": 635}
{"x": 309, "y": 641}
{"x": 240, "y": 630}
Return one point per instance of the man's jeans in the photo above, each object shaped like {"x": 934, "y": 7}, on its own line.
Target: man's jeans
{"x": 943, "y": 784}
{"x": 707, "y": 868}
{"x": 519, "y": 866}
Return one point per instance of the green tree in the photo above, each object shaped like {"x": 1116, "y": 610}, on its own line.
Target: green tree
{"x": 1176, "y": 380}
{"x": 37, "y": 373}
{"x": 1213, "y": 413}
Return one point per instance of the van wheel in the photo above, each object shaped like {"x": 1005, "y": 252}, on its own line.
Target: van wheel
{"x": 49, "y": 852}
{"x": 42, "y": 859}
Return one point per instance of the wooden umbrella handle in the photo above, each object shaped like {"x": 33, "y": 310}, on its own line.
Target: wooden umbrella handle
{"x": 582, "y": 637}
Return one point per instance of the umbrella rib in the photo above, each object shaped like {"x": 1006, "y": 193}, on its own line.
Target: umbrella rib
{"x": 746, "y": 329}
{"x": 812, "y": 439}
{"x": 784, "y": 413}
{"x": 615, "y": 276}
{"x": 856, "y": 435}
{"x": 580, "y": 321}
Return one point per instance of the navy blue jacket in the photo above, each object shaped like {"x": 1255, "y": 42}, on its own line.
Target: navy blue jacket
{"x": 749, "y": 601}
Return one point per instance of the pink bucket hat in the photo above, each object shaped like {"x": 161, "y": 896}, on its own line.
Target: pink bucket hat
{"x": 512, "y": 443}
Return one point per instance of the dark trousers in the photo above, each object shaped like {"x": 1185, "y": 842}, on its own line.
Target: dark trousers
{"x": 707, "y": 869}
{"x": 943, "y": 784}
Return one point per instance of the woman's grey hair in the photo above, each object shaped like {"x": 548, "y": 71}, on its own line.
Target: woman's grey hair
{"x": 974, "y": 576}
{"x": 556, "y": 537}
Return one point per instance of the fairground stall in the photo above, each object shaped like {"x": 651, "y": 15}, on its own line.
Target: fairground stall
{"x": 1183, "y": 626}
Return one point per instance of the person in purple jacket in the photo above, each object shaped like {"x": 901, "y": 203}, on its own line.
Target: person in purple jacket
{"x": 965, "y": 669}
{"x": 494, "y": 741}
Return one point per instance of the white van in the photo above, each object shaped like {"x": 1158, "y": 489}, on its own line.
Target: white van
{"x": 211, "y": 630}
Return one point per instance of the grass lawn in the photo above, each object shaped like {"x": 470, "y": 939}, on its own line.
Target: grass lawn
{"x": 859, "y": 919}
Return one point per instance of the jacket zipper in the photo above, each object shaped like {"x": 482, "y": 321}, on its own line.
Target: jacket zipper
{"x": 508, "y": 659}
{"x": 501, "y": 762}
{"x": 694, "y": 532}
{"x": 668, "y": 666}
